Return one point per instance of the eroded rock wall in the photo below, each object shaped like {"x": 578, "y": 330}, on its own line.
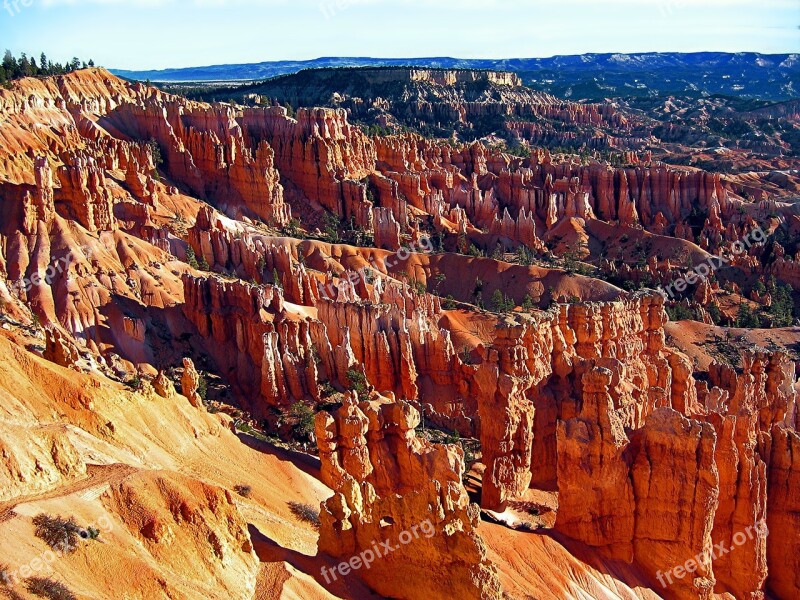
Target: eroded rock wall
{"x": 388, "y": 484}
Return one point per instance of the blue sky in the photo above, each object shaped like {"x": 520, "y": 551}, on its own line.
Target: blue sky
{"x": 145, "y": 34}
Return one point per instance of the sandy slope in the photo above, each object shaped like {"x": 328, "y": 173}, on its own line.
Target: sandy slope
{"x": 123, "y": 439}
{"x": 702, "y": 342}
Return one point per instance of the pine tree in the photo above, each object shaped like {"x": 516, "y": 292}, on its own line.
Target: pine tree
{"x": 746, "y": 318}
{"x": 527, "y": 303}
{"x": 498, "y": 303}
{"x": 24, "y": 65}
{"x": 10, "y": 65}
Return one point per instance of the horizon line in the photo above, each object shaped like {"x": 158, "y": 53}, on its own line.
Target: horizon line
{"x": 443, "y": 57}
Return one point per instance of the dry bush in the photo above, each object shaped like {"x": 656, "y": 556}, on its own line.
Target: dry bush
{"x": 305, "y": 512}
{"x": 49, "y": 588}
{"x": 58, "y": 533}
{"x": 243, "y": 490}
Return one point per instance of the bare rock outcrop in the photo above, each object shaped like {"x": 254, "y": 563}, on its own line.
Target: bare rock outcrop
{"x": 60, "y": 349}
{"x": 164, "y": 387}
{"x": 86, "y": 194}
{"x": 189, "y": 526}
{"x": 36, "y": 459}
{"x": 675, "y": 517}
{"x": 742, "y": 509}
{"x": 388, "y": 484}
{"x": 597, "y": 504}
{"x": 190, "y": 382}
{"x": 505, "y": 384}
{"x": 275, "y": 356}
{"x": 783, "y": 514}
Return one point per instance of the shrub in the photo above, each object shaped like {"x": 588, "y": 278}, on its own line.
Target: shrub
{"x": 461, "y": 243}
{"x": 524, "y": 256}
{"x": 527, "y": 303}
{"x": 440, "y": 279}
{"x": 305, "y": 513}
{"x": 449, "y": 303}
{"x": 679, "y": 312}
{"x": 519, "y": 150}
{"x": 4, "y": 576}
{"x": 715, "y": 313}
{"x": 358, "y": 383}
{"x": 746, "y": 318}
{"x": 466, "y": 356}
{"x": 475, "y": 251}
{"x": 453, "y": 438}
{"x": 49, "y": 588}
{"x": 419, "y": 288}
{"x": 155, "y": 152}
{"x": 326, "y": 389}
{"x": 202, "y": 386}
{"x": 331, "y": 228}
{"x": 782, "y": 310}
{"x": 303, "y": 418}
{"x": 477, "y": 290}
{"x": 191, "y": 258}
{"x": 293, "y": 228}
{"x": 58, "y": 533}
{"x": 243, "y": 490}
{"x": 135, "y": 383}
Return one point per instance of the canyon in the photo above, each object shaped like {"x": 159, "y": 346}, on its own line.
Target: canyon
{"x": 387, "y": 330}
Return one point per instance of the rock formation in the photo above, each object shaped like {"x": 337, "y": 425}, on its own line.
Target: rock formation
{"x": 656, "y": 455}
{"x": 388, "y": 485}
{"x": 597, "y": 504}
{"x": 190, "y": 381}
{"x": 782, "y": 513}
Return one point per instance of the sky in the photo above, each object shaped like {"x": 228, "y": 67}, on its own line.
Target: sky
{"x": 154, "y": 34}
